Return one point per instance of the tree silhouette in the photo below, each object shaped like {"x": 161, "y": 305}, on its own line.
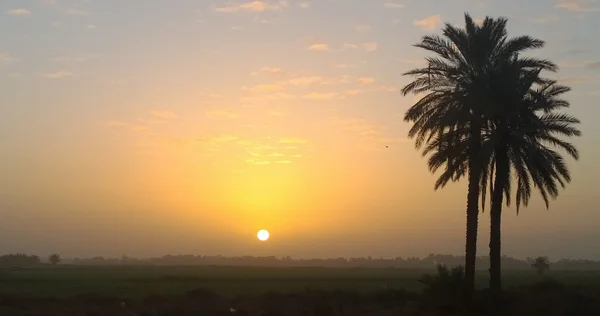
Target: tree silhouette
{"x": 541, "y": 264}
{"x": 454, "y": 109}
{"x": 54, "y": 259}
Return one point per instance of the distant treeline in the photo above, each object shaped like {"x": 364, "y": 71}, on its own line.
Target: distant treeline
{"x": 364, "y": 262}
{"x": 19, "y": 260}
{"x": 24, "y": 260}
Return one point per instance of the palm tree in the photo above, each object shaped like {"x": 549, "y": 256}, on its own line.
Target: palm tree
{"x": 453, "y": 109}
{"x": 523, "y": 126}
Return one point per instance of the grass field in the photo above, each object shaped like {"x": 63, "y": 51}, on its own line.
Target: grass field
{"x": 137, "y": 282}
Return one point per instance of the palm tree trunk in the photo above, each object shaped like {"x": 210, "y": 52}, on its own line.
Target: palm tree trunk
{"x": 500, "y": 182}
{"x": 472, "y": 212}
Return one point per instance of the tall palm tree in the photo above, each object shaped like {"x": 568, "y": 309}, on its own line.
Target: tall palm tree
{"x": 523, "y": 127}
{"x": 453, "y": 108}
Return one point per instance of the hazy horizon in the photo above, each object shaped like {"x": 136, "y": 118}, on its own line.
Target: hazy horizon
{"x": 157, "y": 127}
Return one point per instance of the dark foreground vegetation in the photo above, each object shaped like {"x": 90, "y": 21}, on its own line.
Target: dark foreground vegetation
{"x": 545, "y": 298}
{"x": 542, "y": 299}
{"x": 172, "y": 291}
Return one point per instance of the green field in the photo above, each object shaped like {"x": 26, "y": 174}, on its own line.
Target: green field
{"x": 137, "y": 282}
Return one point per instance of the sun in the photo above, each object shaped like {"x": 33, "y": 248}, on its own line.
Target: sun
{"x": 262, "y": 235}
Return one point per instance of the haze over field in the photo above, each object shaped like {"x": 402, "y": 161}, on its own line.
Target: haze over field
{"x": 152, "y": 127}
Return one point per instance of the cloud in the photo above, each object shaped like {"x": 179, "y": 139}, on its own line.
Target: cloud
{"x": 272, "y": 71}
{"x": 258, "y": 19}
{"x": 374, "y": 89}
{"x": 590, "y": 64}
{"x": 262, "y": 162}
{"x": 138, "y": 128}
{"x": 576, "y": 6}
{"x": 261, "y": 151}
{"x": 293, "y": 141}
{"x": 210, "y": 95}
{"x": 263, "y": 88}
{"x": 305, "y": 81}
{"x": 166, "y": 115}
{"x": 59, "y": 75}
{"x": 346, "y": 79}
{"x": 363, "y": 28}
{"x": 386, "y": 89}
{"x": 319, "y": 47}
{"x": 304, "y": 5}
{"x": 74, "y": 58}
{"x": 366, "y": 80}
{"x": 6, "y": 58}
{"x": 151, "y": 121}
{"x": 220, "y": 139}
{"x": 344, "y": 66}
{"x": 279, "y": 96}
{"x": 155, "y": 140}
{"x": 115, "y": 124}
{"x": 19, "y": 12}
{"x": 429, "y": 23}
{"x": 365, "y": 131}
{"x": 320, "y": 96}
{"x": 481, "y": 3}
{"x": 358, "y": 125}
{"x": 254, "y": 6}
{"x": 158, "y": 117}
{"x": 580, "y": 80}
{"x": 77, "y": 12}
{"x": 393, "y": 5}
{"x": 222, "y": 113}
{"x": 353, "y": 92}
{"x": 382, "y": 88}
{"x": 576, "y": 51}
{"x": 545, "y": 19}
{"x": 308, "y": 40}
{"x": 413, "y": 62}
{"x": 369, "y": 47}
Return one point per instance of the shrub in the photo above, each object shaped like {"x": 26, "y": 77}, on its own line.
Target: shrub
{"x": 541, "y": 264}
{"x": 445, "y": 288}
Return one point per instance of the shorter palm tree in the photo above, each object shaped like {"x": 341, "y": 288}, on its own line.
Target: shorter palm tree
{"x": 525, "y": 129}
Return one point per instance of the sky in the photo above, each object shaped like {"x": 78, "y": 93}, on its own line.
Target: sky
{"x": 183, "y": 127}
